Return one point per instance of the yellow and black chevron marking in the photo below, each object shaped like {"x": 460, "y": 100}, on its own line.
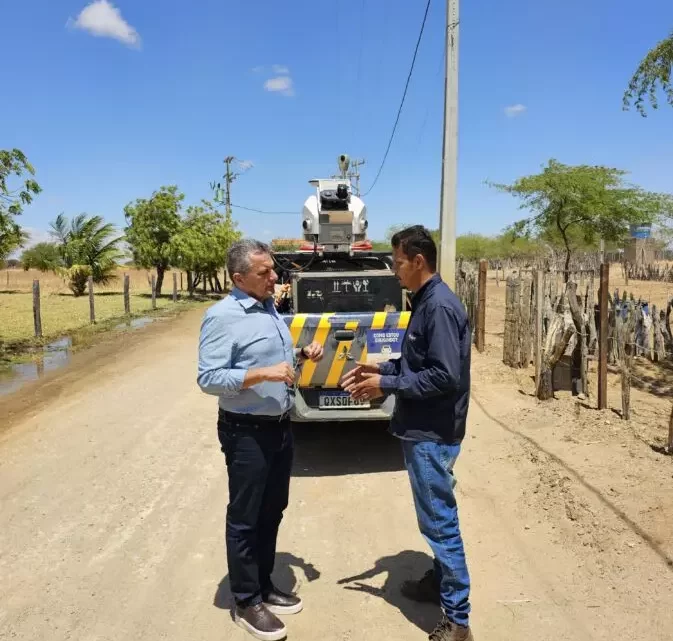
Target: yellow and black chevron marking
{"x": 340, "y": 356}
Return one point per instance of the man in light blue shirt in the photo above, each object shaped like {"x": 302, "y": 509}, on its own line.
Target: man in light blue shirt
{"x": 247, "y": 360}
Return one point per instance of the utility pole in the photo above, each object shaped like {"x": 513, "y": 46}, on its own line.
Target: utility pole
{"x": 229, "y": 178}
{"x": 447, "y": 221}
{"x": 224, "y": 196}
{"x": 355, "y": 173}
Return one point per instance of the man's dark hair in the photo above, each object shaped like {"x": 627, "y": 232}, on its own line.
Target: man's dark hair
{"x": 416, "y": 240}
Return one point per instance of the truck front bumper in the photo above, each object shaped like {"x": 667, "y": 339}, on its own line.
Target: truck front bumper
{"x": 303, "y": 413}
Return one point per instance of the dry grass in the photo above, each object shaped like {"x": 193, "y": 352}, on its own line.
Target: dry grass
{"x": 22, "y": 281}
{"x": 61, "y": 311}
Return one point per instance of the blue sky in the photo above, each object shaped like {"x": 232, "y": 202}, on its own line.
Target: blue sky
{"x": 112, "y": 101}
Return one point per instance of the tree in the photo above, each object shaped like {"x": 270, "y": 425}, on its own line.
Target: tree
{"x": 286, "y": 244}
{"x": 512, "y": 245}
{"x": 474, "y": 246}
{"x": 46, "y": 257}
{"x": 654, "y": 71}
{"x": 14, "y": 164}
{"x": 87, "y": 246}
{"x": 151, "y": 226}
{"x": 586, "y": 202}
{"x": 202, "y": 244}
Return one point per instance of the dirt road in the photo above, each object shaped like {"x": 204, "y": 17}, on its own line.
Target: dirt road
{"x": 113, "y": 494}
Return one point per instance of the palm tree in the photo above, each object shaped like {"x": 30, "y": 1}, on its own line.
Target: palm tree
{"x": 90, "y": 242}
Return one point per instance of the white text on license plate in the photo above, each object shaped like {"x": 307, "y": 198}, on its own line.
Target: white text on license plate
{"x": 340, "y": 402}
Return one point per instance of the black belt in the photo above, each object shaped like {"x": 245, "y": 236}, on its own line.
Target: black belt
{"x": 253, "y": 419}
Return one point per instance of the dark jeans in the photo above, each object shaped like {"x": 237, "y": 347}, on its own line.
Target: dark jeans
{"x": 259, "y": 462}
{"x": 430, "y": 467}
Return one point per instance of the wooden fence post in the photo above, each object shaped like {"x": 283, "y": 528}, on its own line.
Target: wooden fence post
{"x": 511, "y": 341}
{"x": 182, "y": 289}
{"x": 37, "y": 315}
{"x": 175, "y": 287}
{"x": 581, "y": 334}
{"x": 525, "y": 338}
{"x": 539, "y": 304}
{"x": 627, "y": 339}
{"x": 92, "y": 309}
{"x": 127, "y": 297}
{"x": 154, "y": 291}
{"x": 481, "y": 306}
{"x": 603, "y": 337}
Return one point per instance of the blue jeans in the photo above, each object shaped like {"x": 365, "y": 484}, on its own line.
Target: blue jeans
{"x": 430, "y": 467}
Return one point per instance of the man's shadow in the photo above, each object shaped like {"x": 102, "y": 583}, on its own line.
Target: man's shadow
{"x": 399, "y": 568}
{"x": 284, "y": 578}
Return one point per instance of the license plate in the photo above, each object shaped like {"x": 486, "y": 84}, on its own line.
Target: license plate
{"x": 340, "y": 402}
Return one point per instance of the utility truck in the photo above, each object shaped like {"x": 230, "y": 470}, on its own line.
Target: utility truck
{"x": 336, "y": 290}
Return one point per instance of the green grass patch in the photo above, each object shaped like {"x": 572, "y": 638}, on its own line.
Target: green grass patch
{"x": 65, "y": 315}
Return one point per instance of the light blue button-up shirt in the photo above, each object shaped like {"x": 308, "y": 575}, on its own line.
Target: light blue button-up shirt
{"x": 237, "y": 334}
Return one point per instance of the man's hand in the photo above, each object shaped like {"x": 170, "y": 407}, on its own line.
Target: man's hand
{"x": 314, "y": 352}
{"x": 355, "y": 375}
{"x": 367, "y": 389}
{"x": 281, "y": 373}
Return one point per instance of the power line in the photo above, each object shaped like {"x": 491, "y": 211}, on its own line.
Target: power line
{"x": 260, "y": 211}
{"x": 404, "y": 95}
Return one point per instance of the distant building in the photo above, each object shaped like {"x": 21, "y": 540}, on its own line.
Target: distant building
{"x": 640, "y": 248}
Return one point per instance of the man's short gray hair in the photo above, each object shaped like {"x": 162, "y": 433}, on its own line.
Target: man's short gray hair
{"x": 238, "y": 258}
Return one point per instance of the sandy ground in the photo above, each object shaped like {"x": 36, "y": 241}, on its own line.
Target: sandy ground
{"x": 113, "y": 494}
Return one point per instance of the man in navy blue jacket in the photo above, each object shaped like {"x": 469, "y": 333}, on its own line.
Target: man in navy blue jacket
{"x": 431, "y": 383}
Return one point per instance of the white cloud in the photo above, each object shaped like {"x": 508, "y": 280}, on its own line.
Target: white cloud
{"x": 280, "y": 84}
{"x": 257, "y": 69}
{"x": 37, "y": 236}
{"x": 515, "y": 110}
{"x": 102, "y": 19}
{"x": 246, "y": 164}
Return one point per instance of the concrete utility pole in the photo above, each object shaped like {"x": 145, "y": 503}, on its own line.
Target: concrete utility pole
{"x": 229, "y": 178}
{"x": 224, "y": 195}
{"x": 447, "y": 221}
{"x": 355, "y": 173}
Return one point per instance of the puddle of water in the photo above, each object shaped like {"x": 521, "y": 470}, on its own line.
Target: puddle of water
{"x": 54, "y": 356}
{"x": 135, "y": 323}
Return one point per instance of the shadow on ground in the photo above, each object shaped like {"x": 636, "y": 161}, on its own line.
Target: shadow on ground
{"x": 284, "y": 578}
{"x": 335, "y": 449}
{"x": 398, "y": 568}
